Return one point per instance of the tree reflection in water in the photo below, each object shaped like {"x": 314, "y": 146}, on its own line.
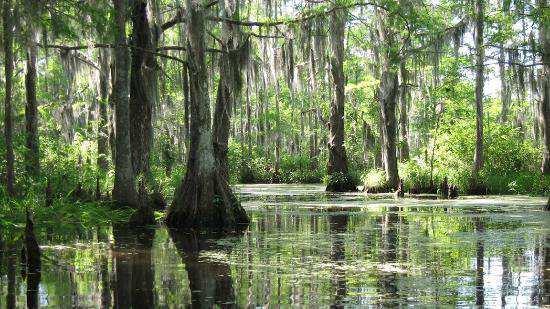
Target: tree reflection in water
{"x": 387, "y": 282}
{"x": 134, "y": 273}
{"x": 545, "y": 284}
{"x": 379, "y": 256}
{"x": 480, "y": 256}
{"x": 338, "y": 227}
{"x": 210, "y": 281}
{"x": 11, "y": 263}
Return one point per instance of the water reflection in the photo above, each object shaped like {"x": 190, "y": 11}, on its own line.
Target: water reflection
{"x": 385, "y": 252}
{"x": 338, "y": 228}
{"x": 11, "y": 264}
{"x": 134, "y": 273}
{"x": 388, "y": 255}
{"x": 480, "y": 258}
{"x": 33, "y": 280}
{"x": 545, "y": 293}
{"x": 209, "y": 280}
{"x": 103, "y": 236}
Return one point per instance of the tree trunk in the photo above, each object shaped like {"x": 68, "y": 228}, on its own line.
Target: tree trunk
{"x": 544, "y": 33}
{"x": 8, "y": 67}
{"x": 480, "y": 52}
{"x": 204, "y": 199}
{"x": 186, "y": 122}
{"x": 112, "y": 116}
{"x": 337, "y": 167}
{"x": 103, "y": 128}
{"x": 387, "y": 97}
{"x": 124, "y": 192}
{"x": 222, "y": 121}
{"x": 229, "y": 88}
{"x": 143, "y": 83}
{"x": 248, "y": 126}
{"x": 276, "y": 173}
{"x": 403, "y": 118}
{"x": 505, "y": 95}
{"x": 32, "y": 158}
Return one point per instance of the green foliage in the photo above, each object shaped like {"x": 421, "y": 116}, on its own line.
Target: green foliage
{"x": 343, "y": 182}
{"x": 374, "y": 178}
{"x": 259, "y": 167}
{"x": 63, "y": 215}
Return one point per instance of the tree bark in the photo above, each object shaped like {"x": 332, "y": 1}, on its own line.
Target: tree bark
{"x": 387, "y": 97}
{"x": 505, "y": 96}
{"x": 124, "y": 191}
{"x": 403, "y": 117}
{"x": 222, "y": 122}
{"x": 143, "y": 83}
{"x": 229, "y": 88}
{"x": 480, "y": 53}
{"x": 32, "y": 158}
{"x": 103, "y": 128}
{"x": 337, "y": 167}
{"x": 544, "y": 33}
{"x": 204, "y": 199}
{"x": 8, "y": 122}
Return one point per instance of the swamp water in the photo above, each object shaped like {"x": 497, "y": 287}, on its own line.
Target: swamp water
{"x": 306, "y": 248}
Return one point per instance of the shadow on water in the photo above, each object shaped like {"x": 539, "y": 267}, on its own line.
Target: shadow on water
{"x": 210, "y": 281}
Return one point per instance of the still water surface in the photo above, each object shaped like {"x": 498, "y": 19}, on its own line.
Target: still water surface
{"x": 307, "y": 248}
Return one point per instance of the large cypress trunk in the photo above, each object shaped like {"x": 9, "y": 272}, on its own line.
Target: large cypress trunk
{"x": 204, "y": 199}
{"x": 544, "y": 33}
{"x": 32, "y": 158}
{"x": 478, "y": 155}
{"x": 143, "y": 83}
{"x": 124, "y": 192}
{"x": 337, "y": 162}
{"x": 8, "y": 67}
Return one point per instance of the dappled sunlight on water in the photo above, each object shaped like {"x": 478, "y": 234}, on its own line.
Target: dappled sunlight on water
{"x": 305, "y": 247}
